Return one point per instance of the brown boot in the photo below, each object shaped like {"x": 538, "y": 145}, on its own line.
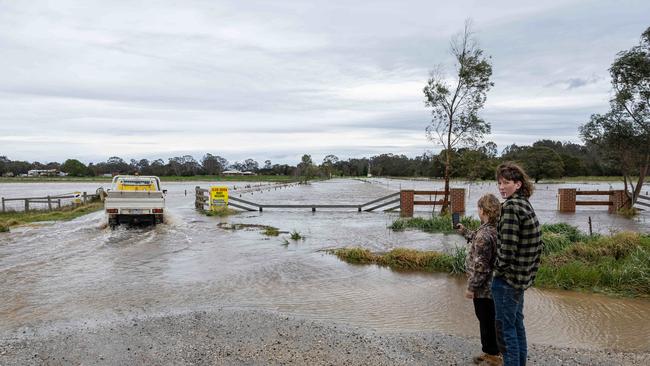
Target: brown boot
{"x": 491, "y": 360}
{"x": 478, "y": 359}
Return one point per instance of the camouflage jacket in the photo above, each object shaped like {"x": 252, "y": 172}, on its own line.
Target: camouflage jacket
{"x": 480, "y": 259}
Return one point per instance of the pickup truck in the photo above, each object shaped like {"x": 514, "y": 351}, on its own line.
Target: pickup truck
{"x": 134, "y": 199}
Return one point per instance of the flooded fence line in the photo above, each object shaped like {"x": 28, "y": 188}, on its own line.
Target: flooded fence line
{"x": 407, "y": 200}
{"x": 202, "y": 200}
{"x": 567, "y": 199}
{"x": 50, "y": 200}
{"x": 403, "y": 200}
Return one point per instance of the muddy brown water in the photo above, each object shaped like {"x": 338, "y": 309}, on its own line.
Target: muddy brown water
{"x": 60, "y": 274}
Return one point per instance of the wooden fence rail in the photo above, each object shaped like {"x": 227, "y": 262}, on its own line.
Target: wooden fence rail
{"x": 643, "y": 201}
{"x": 202, "y": 201}
{"x": 50, "y": 200}
{"x": 567, "y": 199}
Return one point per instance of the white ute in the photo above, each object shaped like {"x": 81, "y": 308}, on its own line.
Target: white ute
{"x": 135, "y": 199}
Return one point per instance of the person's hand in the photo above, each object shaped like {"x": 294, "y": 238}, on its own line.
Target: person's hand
{"x": 469, "y": 294}
{"x": 460, "y": 228}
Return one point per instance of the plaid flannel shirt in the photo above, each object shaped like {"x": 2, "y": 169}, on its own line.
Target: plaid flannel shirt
{"x": 519, "y": 243}
{"x": 480, "y": 259}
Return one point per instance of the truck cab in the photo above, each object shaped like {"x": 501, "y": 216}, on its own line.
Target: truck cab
{"x": 134, "y": 199}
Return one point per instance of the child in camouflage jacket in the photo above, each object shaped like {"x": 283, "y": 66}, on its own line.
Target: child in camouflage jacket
{"x": 478, "y": 264}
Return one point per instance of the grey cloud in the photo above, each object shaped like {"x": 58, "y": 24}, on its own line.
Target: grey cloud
{"x": 573, "y": 83}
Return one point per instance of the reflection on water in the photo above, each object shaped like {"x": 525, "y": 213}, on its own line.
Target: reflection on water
{"x": 81, "y": 271}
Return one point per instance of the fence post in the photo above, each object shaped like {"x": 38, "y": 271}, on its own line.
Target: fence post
{"x": 85, "y": 198}
{"x": 26, "y": 204}
{"x": 567, "y": 200}
{"x": 49, "y": 203}
{"x": 196, "y": 197}
{"x": 619, "y": 200}
{"x": 3, "y": 204}
{"x": 59, "y": 203}
{"x": 457, "y": 198}
{"x": 406, "y": 198}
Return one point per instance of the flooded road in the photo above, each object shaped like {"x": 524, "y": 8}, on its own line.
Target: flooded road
{"x": 58, "y": 274}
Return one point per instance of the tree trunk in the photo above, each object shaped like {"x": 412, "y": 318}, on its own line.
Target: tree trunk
{"x": 445, "y": 201}
{"x": 642, "y": 173}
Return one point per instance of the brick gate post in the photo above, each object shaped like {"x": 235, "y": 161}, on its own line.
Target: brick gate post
{"x": 566, "y": 200}
{"x": 619, "y": 200}
{"x": 406, "y": 202}
{"x": 457, "y": 199}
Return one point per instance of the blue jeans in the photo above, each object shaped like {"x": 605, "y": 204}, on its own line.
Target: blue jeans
{"x": 509, "y": 316}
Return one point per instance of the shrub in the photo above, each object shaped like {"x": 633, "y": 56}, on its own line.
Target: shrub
{"x": 572, "y": 233}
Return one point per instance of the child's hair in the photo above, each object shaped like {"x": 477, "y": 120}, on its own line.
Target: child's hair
{"x": 513, "y": 172}
{"x": 491, "y": 207}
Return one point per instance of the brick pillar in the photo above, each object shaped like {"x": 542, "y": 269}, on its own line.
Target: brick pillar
{"x": 406, "y": 203}
{"x": 457, "y": 200}
{"x": 566, "y": 200}
{"x": 620, "y": 200}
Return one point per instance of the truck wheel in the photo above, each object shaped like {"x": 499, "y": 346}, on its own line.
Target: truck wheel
{"x": 112, "y": 223}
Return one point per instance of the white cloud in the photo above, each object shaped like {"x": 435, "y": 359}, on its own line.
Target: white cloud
{"x": 95, "y": 79}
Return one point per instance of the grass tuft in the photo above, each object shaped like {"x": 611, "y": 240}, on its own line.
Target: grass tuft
{"x": 295, "y": 235}
{"x": 355, "y": 255}
{"x": 435, "y": 224}
{"x": 271, "y": 231}
{"x": 221, "y": 211}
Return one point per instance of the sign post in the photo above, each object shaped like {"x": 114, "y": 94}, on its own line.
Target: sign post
{"x": 218, "y": 197}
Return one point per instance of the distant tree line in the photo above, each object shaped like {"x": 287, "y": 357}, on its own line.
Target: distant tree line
{"x": 543, "y": 159}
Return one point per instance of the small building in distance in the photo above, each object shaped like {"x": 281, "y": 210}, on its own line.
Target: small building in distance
{"x": 236, "y": 172}
{"x": 43, "y": 173}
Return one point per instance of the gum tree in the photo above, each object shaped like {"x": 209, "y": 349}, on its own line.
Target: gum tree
{"x": 623, "y": 134}
{"x": 455, "y": 100}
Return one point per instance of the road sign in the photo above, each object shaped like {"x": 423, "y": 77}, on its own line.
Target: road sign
{"x": 218, "y": 196}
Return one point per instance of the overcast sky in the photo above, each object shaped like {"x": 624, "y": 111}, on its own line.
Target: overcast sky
{"x": 278, "y": 79}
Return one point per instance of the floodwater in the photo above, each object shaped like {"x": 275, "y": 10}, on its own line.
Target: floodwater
{"x": 65, "y": 273}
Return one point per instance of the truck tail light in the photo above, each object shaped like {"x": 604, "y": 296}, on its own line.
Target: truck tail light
{"x": 111, "y": 210}
{"x": 157, "y": 210}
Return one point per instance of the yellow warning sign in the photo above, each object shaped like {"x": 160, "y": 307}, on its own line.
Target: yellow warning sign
{"x": 218, "y": 196}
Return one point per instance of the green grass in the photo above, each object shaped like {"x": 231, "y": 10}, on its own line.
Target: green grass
{"x": 435, "y": 224}
{"x": 399, "y": 259}
{"x": 221, "y": 211}
{"x": 271, "y": 231}
{"x": 617, "y": 264}
{"x": 14, "y": 218}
